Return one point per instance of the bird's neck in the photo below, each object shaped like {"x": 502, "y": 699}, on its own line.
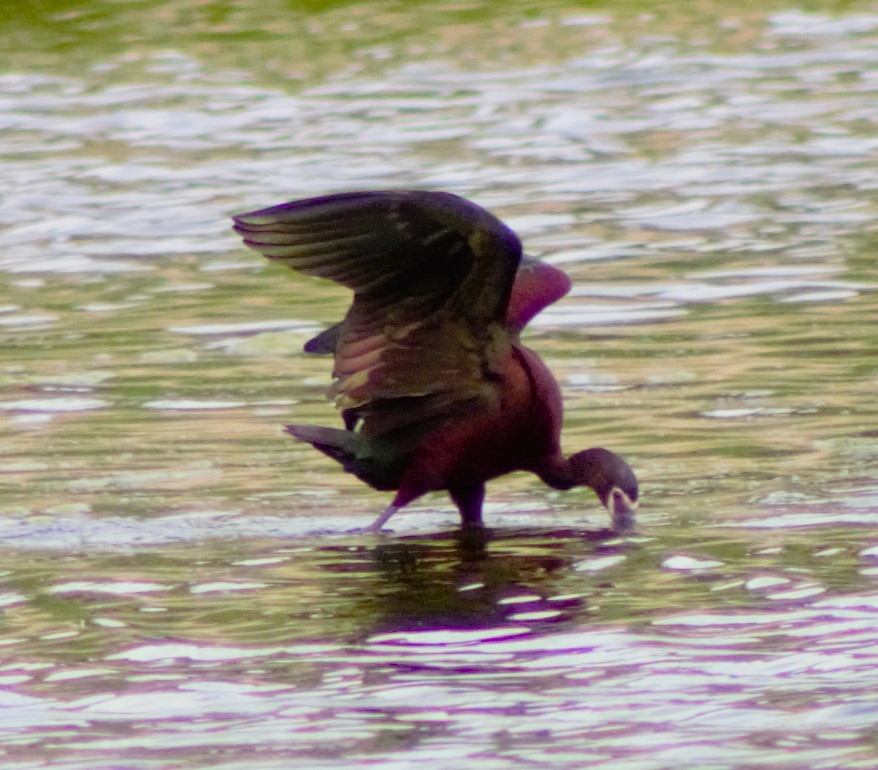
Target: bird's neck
{"x": 565, "y": 472}
{"x": 557, "y": 472}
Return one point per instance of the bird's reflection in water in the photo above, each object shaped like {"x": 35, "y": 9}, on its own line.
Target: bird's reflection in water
{"x": 475, "y": 578}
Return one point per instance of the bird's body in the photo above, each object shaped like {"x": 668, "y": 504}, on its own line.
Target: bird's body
{"x": 436, "y": 390}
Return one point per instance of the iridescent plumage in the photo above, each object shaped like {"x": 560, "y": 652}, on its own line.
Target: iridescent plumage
{"x": 435, "y": 388}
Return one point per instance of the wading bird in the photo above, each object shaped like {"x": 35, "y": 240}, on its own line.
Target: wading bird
{"x": 435, "y": 388}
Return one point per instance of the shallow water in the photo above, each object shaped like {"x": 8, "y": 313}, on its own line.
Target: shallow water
{"x": 180, "y": 587}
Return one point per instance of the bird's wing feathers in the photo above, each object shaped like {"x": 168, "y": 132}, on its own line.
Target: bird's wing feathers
{"x": 431, "y": 275}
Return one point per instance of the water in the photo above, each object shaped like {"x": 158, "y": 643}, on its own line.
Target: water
{"x": 180, "y": 587}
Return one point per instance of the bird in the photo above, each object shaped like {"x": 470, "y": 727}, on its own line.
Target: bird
{"x": 435, "y": 387}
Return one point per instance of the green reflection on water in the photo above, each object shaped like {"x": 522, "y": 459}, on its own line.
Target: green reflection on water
{"x": 311, "y": 38}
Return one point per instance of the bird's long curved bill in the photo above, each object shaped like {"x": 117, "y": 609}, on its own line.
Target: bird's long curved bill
{"x": 622, "y": 512}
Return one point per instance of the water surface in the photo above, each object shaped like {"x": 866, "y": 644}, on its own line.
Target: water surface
{"x": 180, "y": 586}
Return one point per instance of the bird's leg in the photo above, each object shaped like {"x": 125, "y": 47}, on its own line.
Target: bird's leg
{"x": 376, "y": 525}
{"x": 469, "y": 502}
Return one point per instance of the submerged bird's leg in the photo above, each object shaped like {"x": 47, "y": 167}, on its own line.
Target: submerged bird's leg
{"x": 469, "y": 502}
{"x": 376, "y": 525}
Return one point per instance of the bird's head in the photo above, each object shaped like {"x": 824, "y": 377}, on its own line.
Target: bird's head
{"x": 613, "y": 481}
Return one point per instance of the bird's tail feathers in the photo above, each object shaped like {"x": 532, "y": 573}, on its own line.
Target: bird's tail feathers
{"x": 368, "y": 458}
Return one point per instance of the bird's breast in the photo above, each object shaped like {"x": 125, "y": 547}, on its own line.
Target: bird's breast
{"x": 513, "y": 430}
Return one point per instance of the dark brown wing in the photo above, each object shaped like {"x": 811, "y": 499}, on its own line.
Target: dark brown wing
{"x": 431, "y": 275}
{"x": 536, "y": 286}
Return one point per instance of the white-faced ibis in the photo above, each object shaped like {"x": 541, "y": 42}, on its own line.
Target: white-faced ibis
{"x": 435, "y": 387}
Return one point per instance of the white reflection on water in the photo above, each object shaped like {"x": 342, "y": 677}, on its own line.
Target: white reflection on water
{"x": 689, "y": 563}
{"x": 253, "y": 327}
{"x": 65, "y": 404}
{"x": 184, "y": 405}
{"x": 116, "y": 587}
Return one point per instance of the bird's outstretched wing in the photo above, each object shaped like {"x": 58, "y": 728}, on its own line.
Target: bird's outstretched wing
{"x": 537, "y": 285}
{"x": 431, "y": 275}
